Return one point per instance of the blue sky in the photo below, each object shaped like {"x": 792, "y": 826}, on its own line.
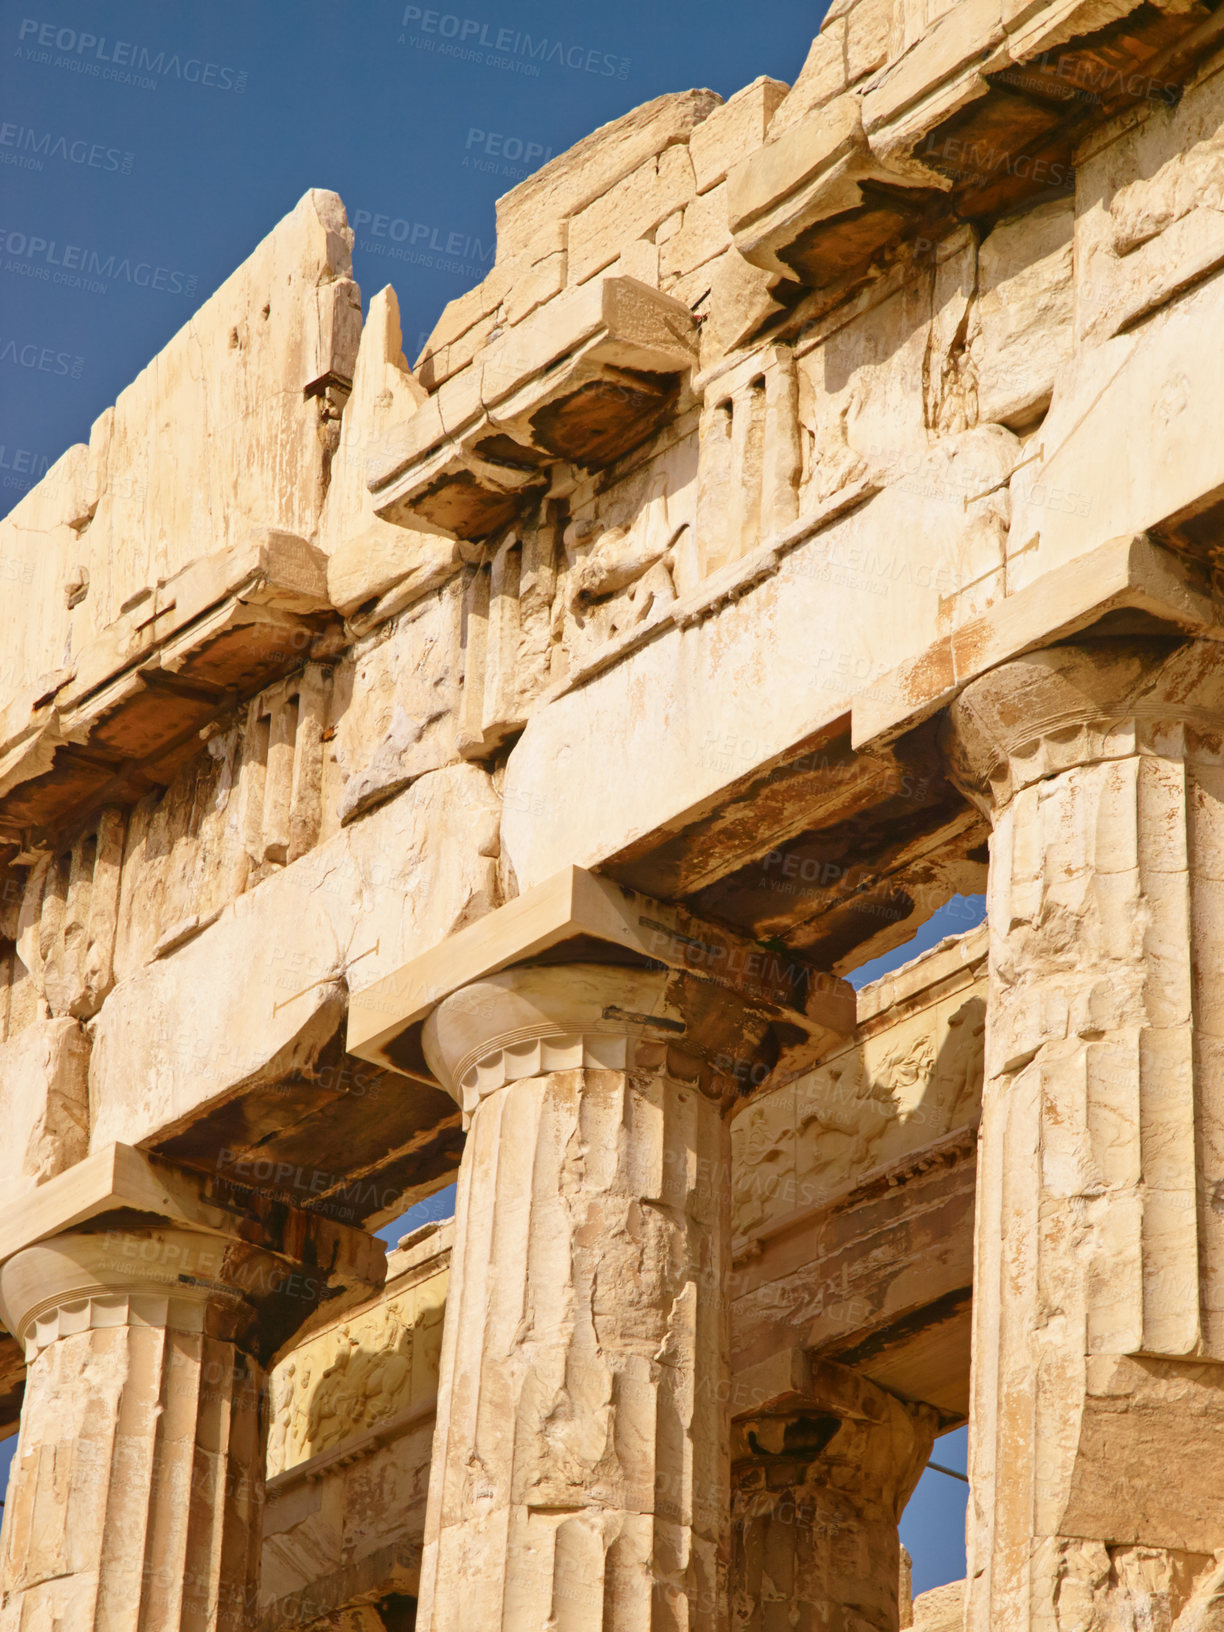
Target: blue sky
{"x": 163, "y": 141}
{"x": 146, "y": 148}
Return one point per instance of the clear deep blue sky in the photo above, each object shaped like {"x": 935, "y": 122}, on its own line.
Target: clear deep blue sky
{"x": 418, "y": 117}
{"x": 145, "y": 149}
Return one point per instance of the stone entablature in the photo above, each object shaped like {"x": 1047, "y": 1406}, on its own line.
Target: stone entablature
{"x": 910, "y": 1079}
{"x": 810, "y": 425}
{"x": 353, "y": 1406}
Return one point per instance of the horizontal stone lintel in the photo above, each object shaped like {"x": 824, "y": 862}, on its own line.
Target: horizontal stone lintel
{"x": 1126, "y": 574}
{"x": 584, "y": 914}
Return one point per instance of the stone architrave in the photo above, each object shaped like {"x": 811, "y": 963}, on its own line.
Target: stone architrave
{"x": 580, "y": 1474}
{"x": 1097, "y": 1430}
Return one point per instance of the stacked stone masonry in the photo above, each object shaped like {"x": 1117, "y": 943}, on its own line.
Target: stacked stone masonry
{"x": 488, "y": 769}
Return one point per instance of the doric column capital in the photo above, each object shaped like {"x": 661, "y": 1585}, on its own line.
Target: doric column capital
{"x": 539, "y": 1018}
{"x": 128, "y": 1239}
{"x": 1081, "y": 703}
{"x": 707, "y": 993}
{"x": 180, "y": 1279}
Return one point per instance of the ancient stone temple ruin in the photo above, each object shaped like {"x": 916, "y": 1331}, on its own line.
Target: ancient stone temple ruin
{"x": 492, "y": 769}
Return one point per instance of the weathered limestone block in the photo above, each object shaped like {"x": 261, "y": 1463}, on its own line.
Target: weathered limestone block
{"x": 822, "y": 77}
{"x": 137, "y": 1484}
{"x": 632, "y": 208}
{"x": 739, "y": 298}
{"x": 593, "y": 166}
{"x": 942, "y": 1609}
{"x": 277, "y": 777}
{"x": 397, "y": 701}
{"x": 877, "y": 1276}
{"x": 1097, "y": 1298}
{"x": 66, "y": 929}
{"x": 873, "y": 34}
{"x": 739, "y": 126}
{"x": 1150, "y": 207}
{"x": 820, "y": 1481}
{"x": 580, "y": 1465}
{"x": 534, "y": 284}
{"x": 629, "y": 551}
{"x": 957, "y": 55}
{"x": 368, "y": 557}
{"x": 702, "y": 233}
{"x": 1128, "y": 445}
{"x": 44, "y": 1102}
{"x": 858, "y": 408}
{"x": 276, "y": 961}
{"x": 940, "y": 71}
{"x": 881, "y": 376}
{"x": 1021, "y": 329}
{"x": 138, "y": 505}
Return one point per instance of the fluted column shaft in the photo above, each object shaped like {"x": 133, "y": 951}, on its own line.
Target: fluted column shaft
{"x": 1098, "y": 1392}
{"x": 137, "y": 1486}
{"x": 136, "y": 1493}
{"x": 818, "y": 1491}
{"x": 580, "y": 1476}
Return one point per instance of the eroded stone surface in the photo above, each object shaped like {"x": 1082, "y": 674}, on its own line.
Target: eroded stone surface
{"x": 775, "y": 425}
{"x": 1096, "y": 1302}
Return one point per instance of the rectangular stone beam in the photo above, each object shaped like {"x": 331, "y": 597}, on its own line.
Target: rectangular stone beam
{"x": 1129, "y": 574}
{"x": 120, "y": 1182}
{"x": 588, "y": 918}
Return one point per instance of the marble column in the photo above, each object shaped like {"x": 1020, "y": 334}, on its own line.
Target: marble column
{"x": 1097, "y": 1436}
{"x": 580, "y": 1473}
{"x": 818, "y": 1490}
{"x": 136, "y": 1493}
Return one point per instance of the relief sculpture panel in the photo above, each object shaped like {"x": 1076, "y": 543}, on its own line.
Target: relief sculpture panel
{"x": 890, "y": 1094}
{"x": 360, "y": 1373}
